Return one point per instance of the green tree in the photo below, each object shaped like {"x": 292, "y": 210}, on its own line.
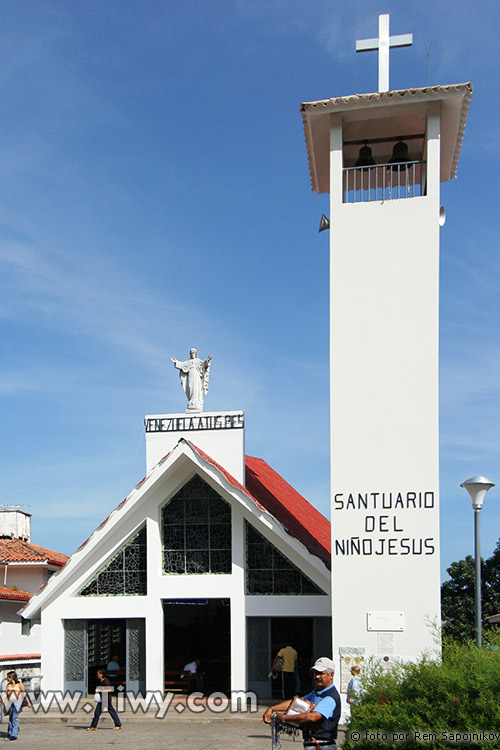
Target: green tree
{"x": 457, "y": 596}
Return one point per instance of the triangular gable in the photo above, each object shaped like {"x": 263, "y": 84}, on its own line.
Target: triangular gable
{"x": 203, "y": 464}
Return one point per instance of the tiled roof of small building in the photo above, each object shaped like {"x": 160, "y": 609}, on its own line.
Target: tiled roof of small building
{"x": 15, "y": 550}
{"x": 14, "y": 594}
{"x": 19, "y": 657}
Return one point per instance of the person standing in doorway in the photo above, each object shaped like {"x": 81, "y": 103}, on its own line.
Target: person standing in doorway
{"x": 103, "y": 693}
{"x": 13, "y": 697}
{"x": 289, "y": 656}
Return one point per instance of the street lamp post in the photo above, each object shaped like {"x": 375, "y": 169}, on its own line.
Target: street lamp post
{"x": 477, "y": 487}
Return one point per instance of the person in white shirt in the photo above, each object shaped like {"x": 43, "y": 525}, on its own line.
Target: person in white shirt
{"x": 192, "y": 668}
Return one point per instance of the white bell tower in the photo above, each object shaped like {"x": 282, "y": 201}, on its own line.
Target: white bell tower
{"x": 382, "y": 156}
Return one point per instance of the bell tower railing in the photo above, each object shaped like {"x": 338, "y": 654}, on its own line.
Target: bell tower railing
{"x": 384, "y": 182}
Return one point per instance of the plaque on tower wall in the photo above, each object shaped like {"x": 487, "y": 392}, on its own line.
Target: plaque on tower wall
{"x": 390, "y": 621}
{"x": 350, "y": 656}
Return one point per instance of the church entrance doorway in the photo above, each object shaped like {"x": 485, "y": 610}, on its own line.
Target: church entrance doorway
{"x": 106, "y": 645}
{"x": 92, "y": 644}
{"x": 198, "y": 629}
{"x": 296, "y": 632}
{"x": 310, "y": 636}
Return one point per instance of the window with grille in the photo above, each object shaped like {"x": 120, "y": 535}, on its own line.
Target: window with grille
{"x": 125, "y": 574}
{"x": 270, "y": 572}
{"x": 196, "y": 531}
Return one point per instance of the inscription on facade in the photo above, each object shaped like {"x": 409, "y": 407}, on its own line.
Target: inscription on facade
{"x": 384, "y": 533}
{"x": 192, "y": 424}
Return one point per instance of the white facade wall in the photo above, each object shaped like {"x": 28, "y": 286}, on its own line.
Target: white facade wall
{"x": 220, "y": 434}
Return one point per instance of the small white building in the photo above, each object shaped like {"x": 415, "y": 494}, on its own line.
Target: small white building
{"x": 212, "y": 556}
{"x": 24, "y": 568}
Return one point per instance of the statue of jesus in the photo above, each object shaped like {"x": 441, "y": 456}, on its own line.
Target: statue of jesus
{"x": 194, "y": 374}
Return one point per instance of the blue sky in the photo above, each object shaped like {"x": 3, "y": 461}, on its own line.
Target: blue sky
{"x": 155, "y": 195}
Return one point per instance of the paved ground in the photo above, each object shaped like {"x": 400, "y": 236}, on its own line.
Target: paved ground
{"x": 54, "y": 731}
{"x": 149, "y": 734}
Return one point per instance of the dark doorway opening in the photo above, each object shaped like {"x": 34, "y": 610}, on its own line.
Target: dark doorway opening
{"x": 199, "y": 629}
{"x": 106, "y": 640}
{"x": 296, "y": 632}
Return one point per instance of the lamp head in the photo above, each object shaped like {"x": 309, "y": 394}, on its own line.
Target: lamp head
{"x": 477, "y": 487}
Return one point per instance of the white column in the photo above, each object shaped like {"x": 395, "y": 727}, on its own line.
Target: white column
{"x": 238, "y": 619}
{"x": 154, "y": 610}
{"x": 433, "y": 150}
{"x": 154, "y": 647}
{"x": 336, "y": 165}
{"x": 52, "y": 644}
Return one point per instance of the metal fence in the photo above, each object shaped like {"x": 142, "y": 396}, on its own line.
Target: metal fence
{"x": 384, "y": 182}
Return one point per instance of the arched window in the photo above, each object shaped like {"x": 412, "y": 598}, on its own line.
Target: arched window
{"x": 196, "y": 531}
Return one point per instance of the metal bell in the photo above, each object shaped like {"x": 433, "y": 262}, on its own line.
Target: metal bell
{"x": 365, "y": 158}
{"x": 399, "y": 153}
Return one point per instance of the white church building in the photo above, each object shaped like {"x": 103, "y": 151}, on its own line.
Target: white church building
{"x": 212, "y": 555}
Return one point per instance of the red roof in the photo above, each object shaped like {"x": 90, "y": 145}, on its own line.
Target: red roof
{"x": 300, "y": 519}
{"x": 19, "y": 657}
{"x": 15, "y": 550}
{"x": 15, "y": 594}
{"x": 272, "y": 493}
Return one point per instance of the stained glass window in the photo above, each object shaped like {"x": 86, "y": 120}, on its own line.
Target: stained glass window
{"x": 196, "y": 531}
{"x": 125, "y": 574}
{"x": 270, "y": 572}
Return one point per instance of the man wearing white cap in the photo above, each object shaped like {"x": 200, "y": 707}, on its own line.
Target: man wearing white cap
{"x": 319, "y": 724}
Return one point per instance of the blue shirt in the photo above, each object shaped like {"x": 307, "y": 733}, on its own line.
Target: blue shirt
{"x": 324, "y": 705}
{"x": 354, "y": 689}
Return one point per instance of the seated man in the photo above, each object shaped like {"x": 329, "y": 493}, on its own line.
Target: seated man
{"x": 195, "y": 678}
{"x": 319, "y": 724}
{"x": 113, "y": 665}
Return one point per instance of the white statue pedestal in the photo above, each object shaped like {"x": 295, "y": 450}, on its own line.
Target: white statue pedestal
{"x": 219, "y": 434}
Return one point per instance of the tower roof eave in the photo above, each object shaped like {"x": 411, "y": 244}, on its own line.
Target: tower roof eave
{"x": 455, "y": 103}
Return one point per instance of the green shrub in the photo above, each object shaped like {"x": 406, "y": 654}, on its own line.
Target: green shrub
{"x": 429, "y": 703}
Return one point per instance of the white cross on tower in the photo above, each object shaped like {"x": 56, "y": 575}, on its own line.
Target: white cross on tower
{"x": 383, "y": 44}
